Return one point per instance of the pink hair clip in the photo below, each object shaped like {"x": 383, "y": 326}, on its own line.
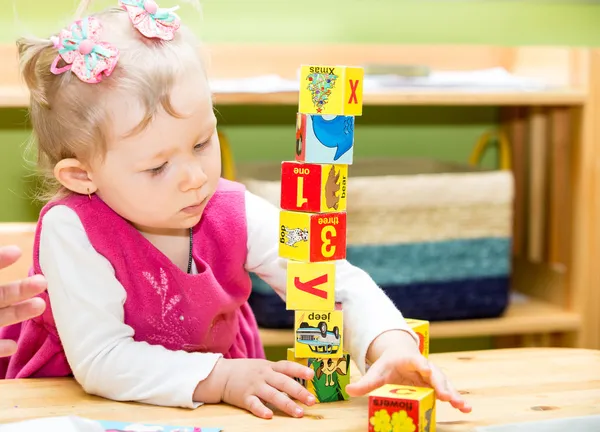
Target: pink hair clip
{"x": 150, "y": 20}
{"x": 88, "y": 58}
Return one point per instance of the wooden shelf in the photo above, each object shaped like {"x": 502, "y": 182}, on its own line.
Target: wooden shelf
{"x": 525, "y": 315}
{"x": 17, "y": 96}
{"x": 557, "y": 66}
{"x": 528, "y": 316}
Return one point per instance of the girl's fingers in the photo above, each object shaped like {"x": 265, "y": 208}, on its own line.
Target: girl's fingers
{"x": 420, "y": 365}
{"x": 372, "y": 380}
{"x": 279, "y": 400}
{"x": 457, "y": 400}
{"x": 21, "y": 311}
{"x": 9, "y": 255}
{"x": 293, "y": 369}
{"x": 253, "y": 404}
{"x": 440, "y": 385}
{"x": 291, "y": 387}
{"x": 18, "y": 291}
{"x": 7, "y": 348}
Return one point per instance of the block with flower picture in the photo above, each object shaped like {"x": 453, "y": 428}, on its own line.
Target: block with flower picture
{"x": 398, "y": 408}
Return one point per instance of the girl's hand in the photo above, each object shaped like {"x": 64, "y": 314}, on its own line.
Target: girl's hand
{"x": 398, "y": 361}
{"x": 250, "y": 383}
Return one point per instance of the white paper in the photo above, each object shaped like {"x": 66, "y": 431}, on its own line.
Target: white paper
{"x": 54, "y": 424}
{"x": 476, "y": 80}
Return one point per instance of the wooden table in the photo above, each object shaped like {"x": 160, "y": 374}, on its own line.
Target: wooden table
{"x": 504, "y": 386}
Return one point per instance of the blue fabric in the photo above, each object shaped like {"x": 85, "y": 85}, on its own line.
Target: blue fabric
{"x": 441, "y": 261}
{"x": 433, "y": 301}
{"x": 414, "y": 263}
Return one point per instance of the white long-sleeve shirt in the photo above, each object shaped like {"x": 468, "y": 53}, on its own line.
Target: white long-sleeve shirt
{"x": 87, "y": 302}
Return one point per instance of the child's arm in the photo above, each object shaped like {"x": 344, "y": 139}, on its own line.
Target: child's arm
{"x": 87, "y": 302}
{"x": 368, "y": 312}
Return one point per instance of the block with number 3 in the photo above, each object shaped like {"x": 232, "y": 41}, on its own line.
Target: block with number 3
{"x": 313, "y": 188}
{"x": 312, "y": 237}
{"x": 310, "y": 286}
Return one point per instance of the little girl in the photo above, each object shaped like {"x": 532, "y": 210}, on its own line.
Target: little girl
{"x": 147, "y": 251}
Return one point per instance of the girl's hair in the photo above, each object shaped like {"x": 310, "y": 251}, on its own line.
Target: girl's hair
{"x": 70, "y": 118}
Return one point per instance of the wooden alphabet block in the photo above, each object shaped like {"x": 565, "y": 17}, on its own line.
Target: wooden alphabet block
{"x": 402, "y": 408}
{"x": 310, "y": 286}
{"x": 332, "y": 375}
{"x": 318, "y": 333}
{"x": 327, "y": 89}
{"x": 311, "y": 237}
{"x": 421, "y": 328}
{"x": 324, "y": 139}
{"x": 313, "y": 188}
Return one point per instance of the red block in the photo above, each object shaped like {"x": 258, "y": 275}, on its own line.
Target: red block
{"x": 301, "y": 187}
{"x": 331, "y": 242}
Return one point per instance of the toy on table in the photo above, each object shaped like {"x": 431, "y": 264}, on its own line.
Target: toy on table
{"x": 313, "y": 222}
{"x": 402, "y": 408}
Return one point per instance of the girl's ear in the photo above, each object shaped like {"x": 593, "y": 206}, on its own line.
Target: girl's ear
{"x": 75, "y": 176}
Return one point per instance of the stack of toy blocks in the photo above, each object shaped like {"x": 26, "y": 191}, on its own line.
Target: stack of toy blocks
{"x": 313, "y": 221}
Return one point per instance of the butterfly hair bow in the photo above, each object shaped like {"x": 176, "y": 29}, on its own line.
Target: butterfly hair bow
{"x": 151, "y": 20}
{"x": 84, "y": 54}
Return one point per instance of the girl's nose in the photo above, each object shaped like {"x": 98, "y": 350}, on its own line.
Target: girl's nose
{"x": 194, "y": 177}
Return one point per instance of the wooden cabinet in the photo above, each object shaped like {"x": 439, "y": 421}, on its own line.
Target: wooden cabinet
{"x": 556, "y": 285}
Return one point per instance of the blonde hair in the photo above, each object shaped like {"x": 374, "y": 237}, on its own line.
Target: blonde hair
{"x": 70, "y": 118}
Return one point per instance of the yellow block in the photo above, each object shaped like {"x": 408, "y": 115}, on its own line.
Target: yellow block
{"x": 310, "y": 286}
{"x": 402, "y": 408}
{"x": 421, "y": 328}
{"x": 331, "y": 90}
{"x": 312, "y": 237}
{"x": 319, "y": 333}
{"x": 334, "y": 179}
{"x": 330, "y": 379}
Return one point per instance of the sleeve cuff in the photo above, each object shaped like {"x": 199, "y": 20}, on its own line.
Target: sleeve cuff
{"x": 198, "y": 368}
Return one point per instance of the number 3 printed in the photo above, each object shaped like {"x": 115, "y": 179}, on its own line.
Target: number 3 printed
{"x": 327, "y": 249}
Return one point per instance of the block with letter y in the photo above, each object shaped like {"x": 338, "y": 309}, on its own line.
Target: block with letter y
{"x": 310, "y": 286}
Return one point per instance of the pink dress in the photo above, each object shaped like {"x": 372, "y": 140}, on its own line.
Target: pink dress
{"x": 204, "y": 312}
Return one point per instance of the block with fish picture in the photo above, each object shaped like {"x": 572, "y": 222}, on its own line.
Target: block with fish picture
{"x": 324, "y": 139}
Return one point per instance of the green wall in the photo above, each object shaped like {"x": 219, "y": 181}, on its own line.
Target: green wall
{"x": 267, "y": 132}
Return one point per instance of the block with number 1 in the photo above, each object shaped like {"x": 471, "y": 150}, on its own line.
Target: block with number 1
{"x": 313, "y": 188}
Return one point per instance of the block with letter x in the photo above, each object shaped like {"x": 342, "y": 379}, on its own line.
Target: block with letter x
{"x": 329, "y": 89}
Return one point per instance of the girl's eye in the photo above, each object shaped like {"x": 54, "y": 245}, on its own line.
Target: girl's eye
{"x": 201, "y": 145}
{"x": 157, "y": 170}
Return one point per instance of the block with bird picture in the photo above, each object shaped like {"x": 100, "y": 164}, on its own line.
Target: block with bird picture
{"x": 325, "y": 139}
{"x": 314, "y": 188}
